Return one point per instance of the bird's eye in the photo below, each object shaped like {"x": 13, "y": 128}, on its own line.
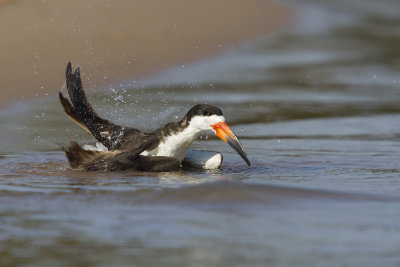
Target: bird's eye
{"x": 205, "y": 113}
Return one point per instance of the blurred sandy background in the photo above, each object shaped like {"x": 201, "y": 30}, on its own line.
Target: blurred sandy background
{"x": 115, "y": 40}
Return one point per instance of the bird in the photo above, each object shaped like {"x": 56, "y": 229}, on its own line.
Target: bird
{"x": 127, "y": 148}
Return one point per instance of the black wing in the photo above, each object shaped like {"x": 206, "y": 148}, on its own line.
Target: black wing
{"x": 117, "y": 161}
{"x": 109, "y": 134}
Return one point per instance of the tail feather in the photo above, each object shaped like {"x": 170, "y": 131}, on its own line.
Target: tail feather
{"x": 78, "y": 157}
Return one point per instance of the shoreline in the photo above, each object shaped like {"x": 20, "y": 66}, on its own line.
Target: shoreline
{"x": 112, "y": 42}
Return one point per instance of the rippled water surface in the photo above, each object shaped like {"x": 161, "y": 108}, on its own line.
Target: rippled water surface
{"x": 317, "y": 109}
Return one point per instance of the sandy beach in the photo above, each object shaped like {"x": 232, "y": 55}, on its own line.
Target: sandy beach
{"x": 115, "y": 40}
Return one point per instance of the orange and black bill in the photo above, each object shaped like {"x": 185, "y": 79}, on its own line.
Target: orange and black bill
{"x": 223, "y": 131}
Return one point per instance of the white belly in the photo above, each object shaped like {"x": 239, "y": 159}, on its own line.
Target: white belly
{"x": 173, "y": 146}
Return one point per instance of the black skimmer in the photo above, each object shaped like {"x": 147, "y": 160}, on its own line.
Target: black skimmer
{"x": 126, "y": 148}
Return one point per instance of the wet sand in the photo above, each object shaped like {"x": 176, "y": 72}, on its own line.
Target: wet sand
{"x": 113, "y": 41}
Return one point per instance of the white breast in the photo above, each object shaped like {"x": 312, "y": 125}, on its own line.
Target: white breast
{"x": 175, "y": 145}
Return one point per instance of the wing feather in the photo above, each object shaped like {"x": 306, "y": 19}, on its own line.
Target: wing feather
{"x": 82, "y": 113}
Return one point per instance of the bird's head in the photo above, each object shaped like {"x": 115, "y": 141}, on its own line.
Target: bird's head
{"x": 206, "y": 117}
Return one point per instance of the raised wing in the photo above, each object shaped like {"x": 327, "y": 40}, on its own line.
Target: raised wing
{"x": 82, "y": 113}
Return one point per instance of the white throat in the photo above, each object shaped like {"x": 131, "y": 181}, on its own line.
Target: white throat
{"x": 176, "y": 145}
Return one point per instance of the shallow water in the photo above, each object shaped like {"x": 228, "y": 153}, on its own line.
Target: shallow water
{"x": 316, "y": 108}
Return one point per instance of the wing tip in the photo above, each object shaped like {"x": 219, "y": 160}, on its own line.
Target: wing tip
{"x": 68, "y": 71}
